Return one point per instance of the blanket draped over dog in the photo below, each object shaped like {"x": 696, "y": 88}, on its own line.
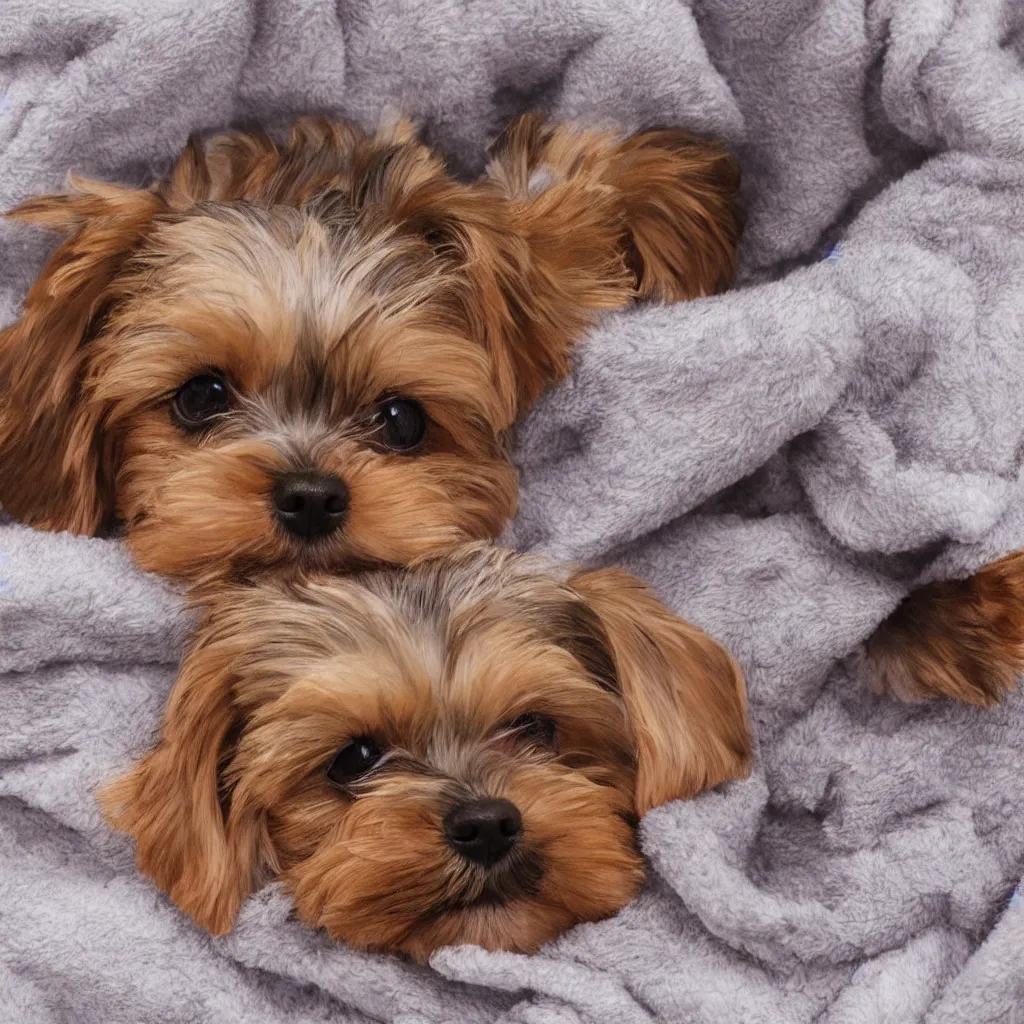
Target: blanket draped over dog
{"x": 783, "y": 463}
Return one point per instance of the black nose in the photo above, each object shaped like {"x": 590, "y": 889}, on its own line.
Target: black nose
{"x": 483, "y": 830}
{"x": 310, "y": 505}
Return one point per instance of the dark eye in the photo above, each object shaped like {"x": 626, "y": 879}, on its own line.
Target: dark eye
{"x": 200, "y": 400}
{"x": 537, "y": 729}
{"x": 354, "y": 759}
{"x": 402, "y": 423}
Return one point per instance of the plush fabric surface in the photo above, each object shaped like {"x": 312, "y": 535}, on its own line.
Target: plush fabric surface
{"x": 782, "y": 462}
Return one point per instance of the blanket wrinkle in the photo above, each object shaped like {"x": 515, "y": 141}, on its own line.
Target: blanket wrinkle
{"x": 782, "y": 462}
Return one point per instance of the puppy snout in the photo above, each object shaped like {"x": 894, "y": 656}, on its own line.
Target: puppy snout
{"x": 483, "y": 831}
{"x": 310, "y": 505}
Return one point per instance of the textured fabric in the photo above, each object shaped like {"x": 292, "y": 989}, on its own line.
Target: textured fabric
{"x": 782, "y": 462}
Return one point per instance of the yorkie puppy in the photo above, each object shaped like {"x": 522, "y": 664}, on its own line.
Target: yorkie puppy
{"x": 307, "y": 353}
{"x": 451, "y": 753}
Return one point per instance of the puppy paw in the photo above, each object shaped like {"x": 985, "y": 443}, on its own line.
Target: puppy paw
{"x": 958, "y": 639}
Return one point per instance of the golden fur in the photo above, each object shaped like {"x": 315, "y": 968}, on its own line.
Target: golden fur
{"x": 435, "y": 664}
{"x": 317, "y": 276}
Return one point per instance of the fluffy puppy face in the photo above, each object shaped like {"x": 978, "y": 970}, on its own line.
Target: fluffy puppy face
{"x": 457, "y": 753}
{"x": 308, "y": 353}
{"x": 336, "y": 409}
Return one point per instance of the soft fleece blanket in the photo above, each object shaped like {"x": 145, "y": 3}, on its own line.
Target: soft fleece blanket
{"x": 782, "y": 462}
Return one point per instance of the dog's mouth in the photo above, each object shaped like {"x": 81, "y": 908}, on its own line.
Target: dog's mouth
{"x": 517, "y": 877}
{"x": 304, "y": 559}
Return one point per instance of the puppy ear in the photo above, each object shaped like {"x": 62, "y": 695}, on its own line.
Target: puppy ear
{"x": 683, "y": 692}
{"x": 170, "y": 801}
{"x": 589, "y": 222}
{"x": 56, "y": 465}
{"x": 674, "y": 196}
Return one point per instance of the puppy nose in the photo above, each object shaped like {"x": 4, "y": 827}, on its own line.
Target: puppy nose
{"x": 483, "y": 830}
{"x": 310, "y": 505}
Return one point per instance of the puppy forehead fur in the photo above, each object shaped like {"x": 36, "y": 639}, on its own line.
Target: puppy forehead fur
{"x": 482, "y": 618}
{"x": 293, "y": 306}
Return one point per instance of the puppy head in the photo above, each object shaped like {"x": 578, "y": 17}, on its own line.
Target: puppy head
{"x": 303, "y": 353}
{"x": 278, "y": 357}
{"x": 457, "y": 753}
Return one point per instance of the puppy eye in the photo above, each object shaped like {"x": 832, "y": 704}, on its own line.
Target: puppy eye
{"x": 200, "y": 400}
{"x": 401, "y": 423}
{"x": 537, "y": 729}
{"x": 354, "y": 759}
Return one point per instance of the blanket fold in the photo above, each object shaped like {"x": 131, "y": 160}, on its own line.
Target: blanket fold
{"x": 783, "y": 463}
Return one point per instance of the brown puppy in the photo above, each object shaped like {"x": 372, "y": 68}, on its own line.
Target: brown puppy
{"x": 307, "y": 353}
{"x": 452, "y": 753}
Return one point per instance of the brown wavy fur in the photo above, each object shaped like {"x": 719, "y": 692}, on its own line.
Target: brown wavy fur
{"x": 958, "y": 639}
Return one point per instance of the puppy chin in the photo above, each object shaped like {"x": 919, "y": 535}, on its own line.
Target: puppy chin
{"x": 524, "y": 925}
{"x": 513, "y": 928}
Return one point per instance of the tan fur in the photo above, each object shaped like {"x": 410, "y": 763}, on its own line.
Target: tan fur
{"x": 318, "y": 275}
{"x": 170, "y": 800}
{"x": 960, "y": 639}
{"x": 674, "y": 195}
{"x": 684, "y": 693}
{"x": 56, "y": 461}
{"x": 434, "y": 663}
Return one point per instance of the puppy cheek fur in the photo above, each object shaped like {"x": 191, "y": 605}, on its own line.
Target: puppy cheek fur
{"x": 192, "y": 510}
{"x": 404, "y": 509}
{"x": 383, "y": 876}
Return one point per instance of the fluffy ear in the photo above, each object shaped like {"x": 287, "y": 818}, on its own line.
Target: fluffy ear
{"x": 170, "y": 802}
{"x": 589, "y": 222}
{"x": 672, "y": 195}
{"x": 56, "y": 465}
{"x": 683, "y": 692}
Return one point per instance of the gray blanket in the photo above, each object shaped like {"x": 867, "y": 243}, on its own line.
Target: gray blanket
{"x": 782, "y": 462}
